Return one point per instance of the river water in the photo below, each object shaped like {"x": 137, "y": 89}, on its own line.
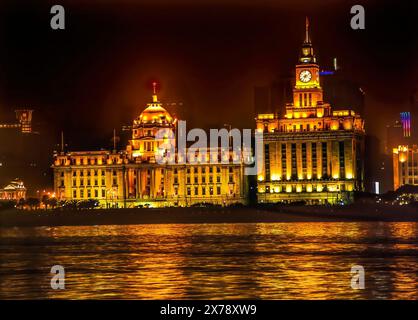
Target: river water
{"x": 212, "y": 261}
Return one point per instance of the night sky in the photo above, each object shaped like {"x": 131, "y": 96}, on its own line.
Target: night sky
{"x": 96, "y": 75}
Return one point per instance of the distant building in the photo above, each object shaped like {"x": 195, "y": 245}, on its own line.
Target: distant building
{"x": 312, "y": 154}
{"x": 405, "y": 166}
{"x": 15, "y": 190}
{"x": 394, "y": 136}
{"x": 406, "y": 123}
{"x": 398, "y": 133}
{"x": 21, "y": 150}
{"x": 24, "y": 124}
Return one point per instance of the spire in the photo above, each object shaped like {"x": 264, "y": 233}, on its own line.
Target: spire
{"x": 307, "y": 53}
{"x": 114, "y": 139}
{"x": 62, "y": 141}
{"x": 154, "y": 88}
{"x": 307, "y": 39}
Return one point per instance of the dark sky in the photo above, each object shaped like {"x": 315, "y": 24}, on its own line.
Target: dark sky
{"x": 209, "y": 54}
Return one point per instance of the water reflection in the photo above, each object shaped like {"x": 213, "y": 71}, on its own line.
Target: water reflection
{"x": 212, "y": 261}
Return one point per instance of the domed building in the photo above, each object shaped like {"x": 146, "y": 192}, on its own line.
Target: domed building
{"x": 144, "y": 142}
{"x": 134, "y": 178}
{"x": 15, "y": 190}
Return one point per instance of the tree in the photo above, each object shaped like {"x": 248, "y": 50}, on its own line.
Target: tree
{"x": 21, "y": 203}
{"x": 88, "y": 204}
{"x": 33, "y": 202}
{"x": 53, "y": 202}
{"x": 7, "y": 204}
{"x": 45, "y": 200}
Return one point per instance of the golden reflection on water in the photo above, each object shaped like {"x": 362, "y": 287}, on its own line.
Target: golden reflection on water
{"x": 212, "y": 261}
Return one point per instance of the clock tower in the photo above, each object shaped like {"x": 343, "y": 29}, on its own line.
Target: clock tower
{"x": 307, "y": 92}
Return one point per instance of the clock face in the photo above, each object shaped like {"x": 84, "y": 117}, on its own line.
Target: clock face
{"x": 305, "y": 76}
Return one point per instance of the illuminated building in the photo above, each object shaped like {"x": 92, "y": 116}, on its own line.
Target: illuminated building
{"x": 406, "y": 123}
{"x": 312, "y": 154}
{"x": 133, "y": 177}
{"x": 23, "y": 146}
{"x": 15, "y": 190}
{"x": 405, "y": 166}
{"x": 394, "y": 136}
{"x": 24, "y": 124}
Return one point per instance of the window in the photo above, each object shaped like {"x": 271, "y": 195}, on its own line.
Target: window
{"x": 304, "y": 167}
{"x": 96, "y": 193}
{"x": 324, "y": 159}
{"x": 74, "y": 193}
{"x": 88, "y": 193}
{"x": 218, "y": 179}
{"x": 103, "y": 193}
{"x": 82, "y": 193}
{"x": 293, "y": 158}
{"x": 196, "y": 191}
{"x": 203, "y": 191}
{"x": 283, "y": 159}
{"x": 267, "y": 161}
{"x": 218, "y": 190}
{"x": 342, "y": 159}
{"x": 218, "y": 169}
{"x": 314, "y": 159}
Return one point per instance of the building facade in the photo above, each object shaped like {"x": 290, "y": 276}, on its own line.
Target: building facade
{"x": 405, "y": 166}
{"x": 14, "y": 191}
{"x": 133, "y": 177}
{"x": 312, "y": 154}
